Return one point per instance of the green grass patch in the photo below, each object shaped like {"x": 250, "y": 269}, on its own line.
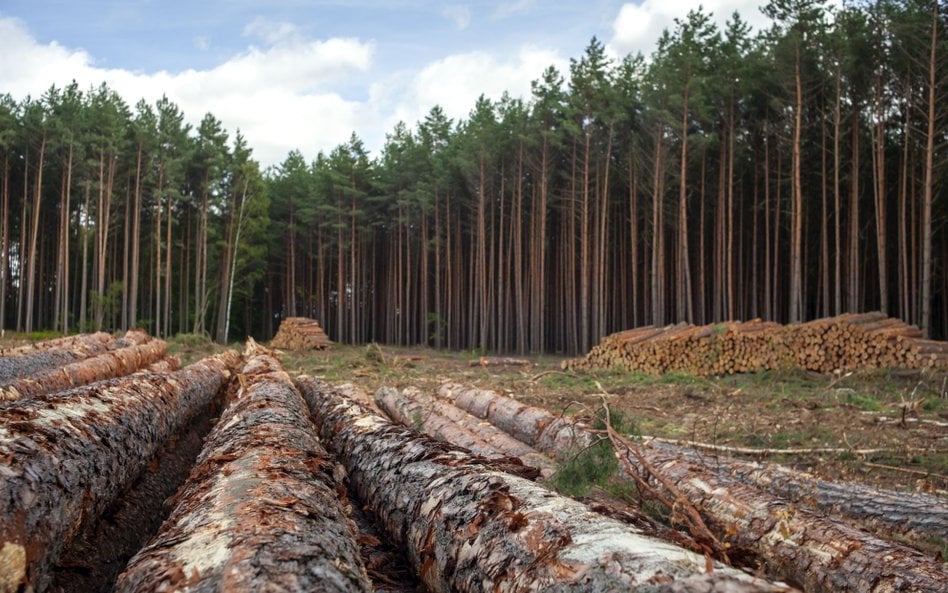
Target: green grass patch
{"x": 863, "y": 402}
{"x": 591, "y": 467}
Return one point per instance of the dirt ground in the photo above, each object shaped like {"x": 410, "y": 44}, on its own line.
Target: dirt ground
{"x": 900, "y": 416}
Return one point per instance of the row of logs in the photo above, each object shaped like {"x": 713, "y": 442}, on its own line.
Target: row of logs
{"x": 764, "y": 516}
{"x": 268, "y": 502}
{"x": 863, "y": 340}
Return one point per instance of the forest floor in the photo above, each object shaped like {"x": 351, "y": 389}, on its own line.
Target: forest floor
{"x": 901, "y": 415}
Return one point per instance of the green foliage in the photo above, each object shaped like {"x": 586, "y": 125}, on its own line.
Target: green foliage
{"x": 592, "y": 467}
{"x": 192, "y": 340}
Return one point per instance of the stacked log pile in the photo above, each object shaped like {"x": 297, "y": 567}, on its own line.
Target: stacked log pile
{"x": 820, "y": 552}
{"x": 261, "y": 506}
{"x": 468, "y": 527}
{"x": 865, "y": 340}
{"x": 300, "y": 333}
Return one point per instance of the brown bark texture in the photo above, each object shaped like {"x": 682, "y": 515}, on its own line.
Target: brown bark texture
{"x": 65, "y": 457}
{"x": 114, "y": 363}
{"x": 442, "y": 421}
{"x": 262, "y": 510}
{"x": 27, "y": 360}
{"x": 818, "y": 552}
{"x": 468, "y": 527}
{"x": 103, "y": 546}
{"x": 916, "y": 517}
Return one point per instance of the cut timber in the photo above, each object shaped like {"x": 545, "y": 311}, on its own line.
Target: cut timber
{"x": 467, "y": 527}
{"x": 917, "y": 517}
{"x": 27, "y": 360}
{"x": 300, "y": 333}
{"x": 864, "y": 340}
{"x": 102, "y": 547}
{"x": 821, "y": 553}
{"x": 497, "y": 361}
{"x": 447, "y": 423}
{"x": 65, "y": 457}
{"x": 261, "y": 510}
{"x": 114, "y": 363}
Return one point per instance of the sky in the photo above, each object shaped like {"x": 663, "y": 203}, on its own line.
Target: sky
{"x": 305, "y": 74}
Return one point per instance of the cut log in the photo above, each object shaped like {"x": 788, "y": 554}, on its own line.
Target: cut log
{"x": 26, "y": 360}
{"x": 102, "y": 548}
{"x": 467, "y": 527}
{"x": 918, "y": 518}
{"x": 448, "y": 423}
{"x": 820, "y": 553}
{"x": 114, "y": 363}
{"x": 499, "y": 361}
{"x": 65, "y": 457}
{"x": 261, "y": 510}
{"x": 387, "y": 566}
{"x": 300, "y": 333}
{"x": 823, "y": 345}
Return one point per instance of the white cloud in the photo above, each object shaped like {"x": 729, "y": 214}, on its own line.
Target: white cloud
{"x": 285, "y": 93}
{"x": 202, "y": 43}
{"x": 455, "y": 82}
{"x": 639, "y": 25}
{"x": 508, "y": 9}
{"x": 280, "y": 96}
{"x": 460, "y": 14}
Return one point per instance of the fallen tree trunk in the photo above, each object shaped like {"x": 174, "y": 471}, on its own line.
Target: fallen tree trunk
{"x": 467, "y": 527}
{"x": 499, "y": 361}
{"x": 102, "y": 548}
{"x": 820, "y": 553}
{"x": 261, "y": 510}
{"x": 65, "y": 457}
{"x": 447, "y": 423}
{"x": 26, "y": 360}
{"x": 921, "y": 519}
{"x": 114, "y": 363}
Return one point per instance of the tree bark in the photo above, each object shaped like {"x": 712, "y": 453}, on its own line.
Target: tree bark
{"x": 819, "y": 552}
{"x": 116, "y": 363}
{"x": 914, "y": 516}
{"x": 262, "y": 508}
{"x": 468, "y": 527}
{"x": 41, "y": 356}
{"x": 67, "y": 456}
{"x": 448, "y": 423}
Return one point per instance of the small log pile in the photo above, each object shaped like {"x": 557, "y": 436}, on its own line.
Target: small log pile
{"x": 822, "y": 553}
{"x": 864, "y": 340}
{"x": 300, "y": 333}
{"x": 468, "y": 527}
{"x": 261, "y": 506}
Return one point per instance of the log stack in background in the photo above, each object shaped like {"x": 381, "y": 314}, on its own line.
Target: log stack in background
{"x": 300, "y": 333}
{"x": 853, "y": 340}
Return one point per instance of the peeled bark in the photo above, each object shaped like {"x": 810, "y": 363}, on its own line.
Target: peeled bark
{"x": 115, "y": 363}
{"x": 24, "y": 361}
{"x": 262, "y": 510}
{"x": 820, "y": 553}
{"x": 918, "y": 518}
{"x": 66, "y": 457}
{"x": 546, "y": 432}
{"x": 102, "y": 548}
{"x": 467, "y": 527}
{"x": 448, "y": 423}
